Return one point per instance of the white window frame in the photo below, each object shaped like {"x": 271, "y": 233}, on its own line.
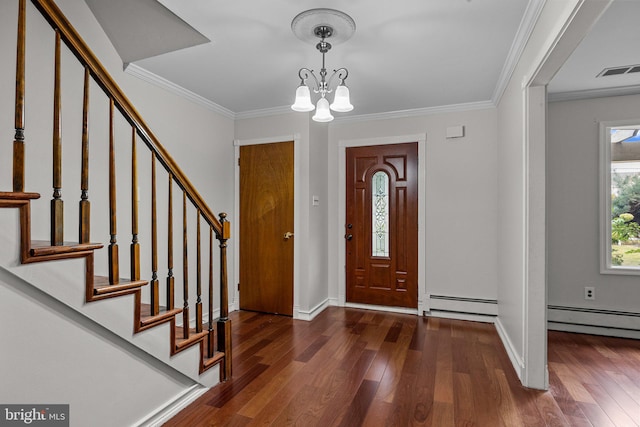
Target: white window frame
{"x": 605, "y": 198}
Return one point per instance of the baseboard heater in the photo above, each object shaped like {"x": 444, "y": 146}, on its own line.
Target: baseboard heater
{"x": 594, "y": 321}
{"x": 463, "y": 307}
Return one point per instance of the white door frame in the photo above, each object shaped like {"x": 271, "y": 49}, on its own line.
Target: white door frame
{"x": 342, "y": 205}
{"x": 534, "y": 85}
{"x": 298, "y": 198}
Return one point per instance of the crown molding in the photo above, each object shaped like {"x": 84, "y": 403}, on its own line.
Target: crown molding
{"x": 593, "y": 93}
{"x": 531, "y": 15}
{"x": 453, "y": 108}
{"x": 265, "y": 112}
{"x": 161, "y": 82}
{"x": 480, "y": 105}
{"x": 148, "y": 76}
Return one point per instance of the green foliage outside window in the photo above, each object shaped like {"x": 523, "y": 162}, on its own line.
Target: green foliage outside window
{"x": 623, "y": 228}
{"x": 628, "y": 198}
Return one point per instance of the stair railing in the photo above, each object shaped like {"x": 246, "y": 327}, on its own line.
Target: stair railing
{"x": 218, "y": 227}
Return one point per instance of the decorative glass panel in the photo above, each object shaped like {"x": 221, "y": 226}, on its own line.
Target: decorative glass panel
{"x": 380, "y": 214}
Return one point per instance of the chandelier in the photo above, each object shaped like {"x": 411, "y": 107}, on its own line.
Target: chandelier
{"x": 309, "y": 26}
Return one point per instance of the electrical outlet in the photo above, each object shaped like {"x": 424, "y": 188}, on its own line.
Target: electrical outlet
{"x": 589, "y": 293}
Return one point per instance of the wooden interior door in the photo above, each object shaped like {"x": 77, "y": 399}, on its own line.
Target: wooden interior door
{"x": 266, "y": 228}
{"x": 382, "y": 253}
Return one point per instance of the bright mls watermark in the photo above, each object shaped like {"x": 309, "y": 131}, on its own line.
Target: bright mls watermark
{"x": 34, "y": 415}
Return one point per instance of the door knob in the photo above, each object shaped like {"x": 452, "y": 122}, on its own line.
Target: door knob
{"x": 288, "y": 235}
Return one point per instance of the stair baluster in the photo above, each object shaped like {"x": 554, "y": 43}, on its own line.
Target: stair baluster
{"x": 114, "y": 270}
{"x": 85, "y": 206}
{"x": 135, "y": 244}
{"x": 18, "y": 141}
{"x": 210, "y": 339}
{"x": 198, "y": 277}
{"x": 170, "y": 278}
{"x": 57, "y": 214}
{"x": 185, "y": 270}
{"x": 155, "y": 287}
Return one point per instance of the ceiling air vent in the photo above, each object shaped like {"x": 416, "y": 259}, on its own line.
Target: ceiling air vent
{"x": 616, "y": 71}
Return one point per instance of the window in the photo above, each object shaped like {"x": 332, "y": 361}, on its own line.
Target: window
{"x": 380, "y": 214}
{"x": 620, "y": 197}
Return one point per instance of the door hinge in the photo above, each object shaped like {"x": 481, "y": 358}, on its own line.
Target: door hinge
{"x": 238, "y": 161}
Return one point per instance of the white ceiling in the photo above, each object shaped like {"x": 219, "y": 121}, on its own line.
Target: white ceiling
{"x": 417, "y": 55}
{"x": 408, "y": 55}
{"x": 613, "y": 41}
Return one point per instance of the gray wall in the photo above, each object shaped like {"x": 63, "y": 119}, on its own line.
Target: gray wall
{"x": 573, "y": 241}
{"x": 460, "y": 189}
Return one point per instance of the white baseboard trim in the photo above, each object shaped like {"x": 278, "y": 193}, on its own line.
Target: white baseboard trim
{"x": 171, "y": 408}
{"x": 233, "y": 307}
{"x": 514, "y": 357}
{"x": 472, "y": 309}
{"x": 594, "y": 321}
{"x": 310, "y": 314}
{"x": 400, "y": 310}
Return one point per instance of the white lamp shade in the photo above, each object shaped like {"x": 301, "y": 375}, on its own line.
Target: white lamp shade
{"x": 303, "y": 100}
{"x": 322, "y": 111}
{"x": 341, "y": 102}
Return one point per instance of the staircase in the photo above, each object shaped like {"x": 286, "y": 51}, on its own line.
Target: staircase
{"x": 154, "y": 302}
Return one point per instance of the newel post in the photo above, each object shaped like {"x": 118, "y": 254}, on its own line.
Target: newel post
{"x": 224, "y": 323}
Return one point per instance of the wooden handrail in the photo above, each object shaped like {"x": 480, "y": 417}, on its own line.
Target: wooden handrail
{"x": 76, "y": 44}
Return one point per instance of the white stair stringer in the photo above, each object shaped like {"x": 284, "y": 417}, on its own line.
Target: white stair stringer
{"x": 64, "y": 281}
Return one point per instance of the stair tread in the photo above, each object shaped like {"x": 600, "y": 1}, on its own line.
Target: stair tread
{"x": 194, "y": 337}
{"x": 218, "y": 356}
{"x": 13, "y": 195}
{"x": 102, "y": 286}
{"x": 147, "y": 318}
{"x": 44, "y": 247}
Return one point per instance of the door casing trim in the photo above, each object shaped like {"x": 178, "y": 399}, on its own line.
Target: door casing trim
{"x": 421, "y": 139}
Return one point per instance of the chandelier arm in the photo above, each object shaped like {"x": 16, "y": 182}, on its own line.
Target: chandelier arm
{"x": 304, "y": 75}
{"x": 340, "y": 73}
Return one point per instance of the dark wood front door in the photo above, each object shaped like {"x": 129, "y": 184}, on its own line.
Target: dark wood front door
{"x": 382, "y": 225}
{"x": 266, "y": 228}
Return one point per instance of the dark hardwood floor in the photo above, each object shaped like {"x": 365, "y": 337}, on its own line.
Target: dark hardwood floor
{"x": 353, "y": 367}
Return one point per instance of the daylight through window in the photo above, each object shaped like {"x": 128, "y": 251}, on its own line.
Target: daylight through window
{"x": 622, "y": 215}
{"x": 380, "y": 214}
